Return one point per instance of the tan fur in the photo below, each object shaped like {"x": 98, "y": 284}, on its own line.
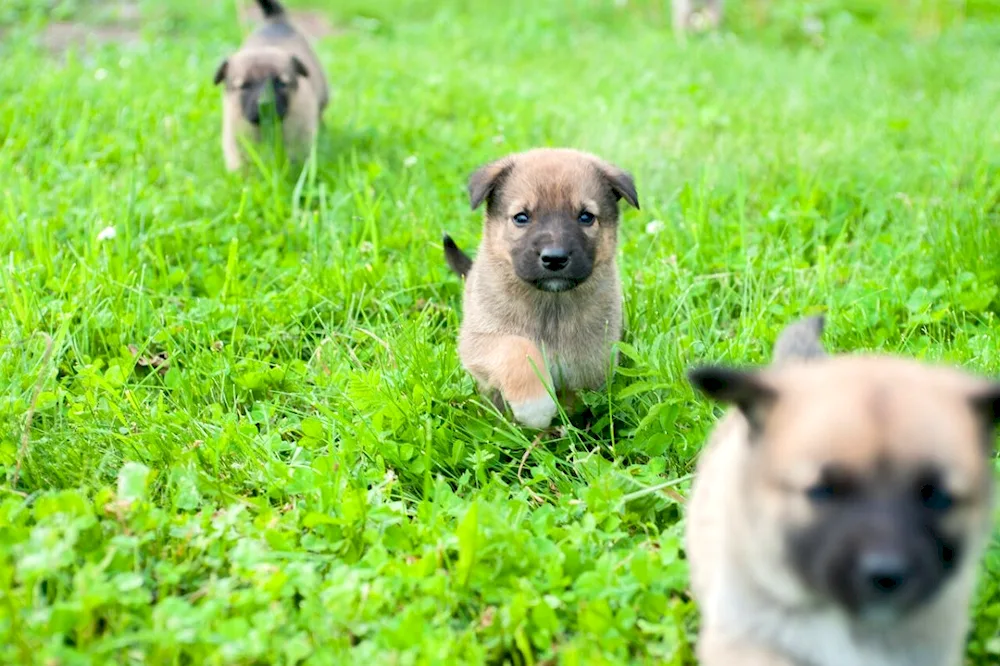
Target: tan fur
{"x": 853, "y": 411}
{"x": 261, "y": 51}
{"x": 568, "y": 335}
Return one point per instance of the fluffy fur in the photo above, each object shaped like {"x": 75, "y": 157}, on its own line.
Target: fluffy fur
{"x": 826, "y": 467}
{"x": 276, "y": 67}
{"x": 534, "y": 326}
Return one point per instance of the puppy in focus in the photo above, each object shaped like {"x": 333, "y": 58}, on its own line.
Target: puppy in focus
{"x": 274, "y": 75}
{"x": 543, "y": 302}
{"x": 840, "y": 509}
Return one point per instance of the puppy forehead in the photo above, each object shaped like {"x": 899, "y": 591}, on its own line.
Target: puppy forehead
{"x": 555, "y": 179}
{"x": 258, "y": 63}
{"x": 860, "y": 413}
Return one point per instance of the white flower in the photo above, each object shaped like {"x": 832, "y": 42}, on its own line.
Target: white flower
{"x": 410, "y": 161}
{"x": 812, "y": 25}
{"x": 654, "y": 227}
{"x": 107, "y": 233}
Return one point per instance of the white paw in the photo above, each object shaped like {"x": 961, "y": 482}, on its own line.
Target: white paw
{"x": 537, "y": 413}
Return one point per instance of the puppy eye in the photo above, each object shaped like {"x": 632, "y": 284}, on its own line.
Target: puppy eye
{"x": 522, "y": 219}
{"x": 821, "y": 492}
{"x": 830, "y": 491}
{"x": 586, "y": 219}
{"x": 934, "y": 498}
{"x": 246, "y": 85}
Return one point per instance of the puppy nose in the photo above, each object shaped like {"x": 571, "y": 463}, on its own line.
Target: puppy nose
{"x": 883, "y": 572}
{"x": 554, "y": 258}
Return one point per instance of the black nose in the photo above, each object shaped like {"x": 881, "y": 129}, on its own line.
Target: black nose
{"x": 554, "y": 258}
{"x": 883, "y": 573}
{"x": 253, "y": 115}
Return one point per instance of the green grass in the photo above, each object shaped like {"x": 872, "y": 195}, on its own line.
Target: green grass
{"x": 313, "y": 479}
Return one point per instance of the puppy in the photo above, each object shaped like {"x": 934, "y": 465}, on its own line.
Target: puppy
{"x": 543, "y": 302}
{"x": 277, "y": 69}
{"x": 687, "y": 17}
{"x": 840, "y": 509}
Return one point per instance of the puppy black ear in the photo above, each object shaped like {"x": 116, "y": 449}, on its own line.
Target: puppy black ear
{"x": 747, "y": 390}
{"x": 220, "y": 74}
{"x": 484, "y": 181}
{"x": 986, "y": 402}
{"x": 622, "y": 184}
{"x": 299, "y": 68}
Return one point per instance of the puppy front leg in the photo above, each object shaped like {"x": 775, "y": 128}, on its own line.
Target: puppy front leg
{"x": 230, "y": 146}
{"x": 232, "y": 156}
{"x": 515, "y": 366}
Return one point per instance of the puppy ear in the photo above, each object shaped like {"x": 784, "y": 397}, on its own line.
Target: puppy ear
{"x": 299, "y": 68}
{"x": 220, "y": 74}
{"x": 747, "y": 390}
{"x": 484, "y": 181}
{"x": 986, "y": 402}
{"x": 622, "y": 183}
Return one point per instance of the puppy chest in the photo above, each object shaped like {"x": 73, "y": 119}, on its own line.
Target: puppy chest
{"x": 579, "y": 363}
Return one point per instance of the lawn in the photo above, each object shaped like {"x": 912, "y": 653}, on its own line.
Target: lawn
{"x": 234, "y": 428}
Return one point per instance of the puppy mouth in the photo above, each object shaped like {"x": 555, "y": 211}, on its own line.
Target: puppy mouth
{"x": 556, "y": 285}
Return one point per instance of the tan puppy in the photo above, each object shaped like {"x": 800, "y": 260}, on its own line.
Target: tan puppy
{"x": 840, "y": 510}
{"x": 542, "y": 299}
{"x": 275, "y": 68}
{"x": 687, "y": 17}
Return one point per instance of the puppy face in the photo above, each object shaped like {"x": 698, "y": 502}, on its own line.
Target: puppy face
{"x": 259, "y": 78}
{"x": 552, "y": 214}
{"x": 868, "y": 479}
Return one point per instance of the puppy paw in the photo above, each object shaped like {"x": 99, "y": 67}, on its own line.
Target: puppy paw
{"x": 536, "y": 413}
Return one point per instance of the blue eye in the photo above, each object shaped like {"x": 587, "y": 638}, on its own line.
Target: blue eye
{"x": 522, "y": 219}
{"x": 586, "y": 219}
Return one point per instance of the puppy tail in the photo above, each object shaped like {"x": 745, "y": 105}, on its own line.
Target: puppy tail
{"x": 457, "y": 260}
{"x": 271, "y": 8}
{"x": 800, "y": 341}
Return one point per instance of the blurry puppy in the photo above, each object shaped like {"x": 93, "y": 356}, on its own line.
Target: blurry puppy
{"x": 275, "y": 68}
{"x": 840, "y": 509}
{"x": 543, "y": 302}
{"x": 687, "y": 17}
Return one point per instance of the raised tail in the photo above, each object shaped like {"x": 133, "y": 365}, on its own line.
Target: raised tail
{"x": 271, "y": 8}
{"x": 457, "y": 260}
{"x": 800, "y": 341}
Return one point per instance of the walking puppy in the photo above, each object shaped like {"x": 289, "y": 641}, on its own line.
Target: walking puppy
{"x": 276, "y": 67}
{"x": 542, "y": 299}
{"x": 840, "y": 509}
